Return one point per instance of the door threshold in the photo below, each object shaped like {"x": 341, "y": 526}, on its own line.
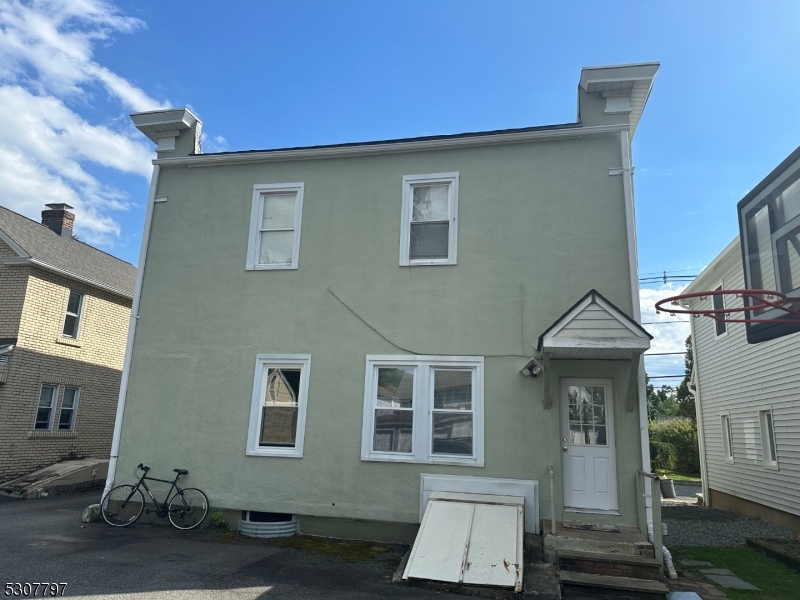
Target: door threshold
{"x": 593, "y": 511}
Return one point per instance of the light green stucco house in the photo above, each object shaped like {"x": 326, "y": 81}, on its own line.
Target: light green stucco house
{"x": 336, "y": 331}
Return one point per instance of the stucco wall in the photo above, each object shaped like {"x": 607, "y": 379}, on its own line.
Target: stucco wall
{"x": 539, "y": 225}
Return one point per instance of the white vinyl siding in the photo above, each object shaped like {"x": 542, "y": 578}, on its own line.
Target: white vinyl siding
{"x": 595, "y": 321}
{"x": 275, "y": 219}
{"x": 740, "y": 380}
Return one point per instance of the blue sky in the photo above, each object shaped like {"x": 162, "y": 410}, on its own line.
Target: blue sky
{"x": 722, "y": 114}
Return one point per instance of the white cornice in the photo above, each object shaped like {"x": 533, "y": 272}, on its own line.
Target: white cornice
{"x": 37, "y": 263}
{"x": 396, "y": 147}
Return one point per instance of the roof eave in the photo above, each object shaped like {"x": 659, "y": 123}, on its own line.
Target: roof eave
{"x": 48, "y": 267}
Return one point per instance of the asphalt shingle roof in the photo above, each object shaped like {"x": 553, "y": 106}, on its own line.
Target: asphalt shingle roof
{"x": 73, "y": 257}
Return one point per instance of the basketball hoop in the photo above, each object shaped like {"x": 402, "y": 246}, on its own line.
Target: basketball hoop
{"x": 762, "y": 300}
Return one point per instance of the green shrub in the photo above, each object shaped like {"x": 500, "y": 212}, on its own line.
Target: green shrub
{"x": 673, "y": 445}
{"x": 217, "y": 519}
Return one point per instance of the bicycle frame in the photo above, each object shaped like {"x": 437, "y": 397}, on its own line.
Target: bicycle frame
{"x": 161, "y": 509}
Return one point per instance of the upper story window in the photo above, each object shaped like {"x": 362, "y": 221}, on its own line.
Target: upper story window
{"x": 48, "y": 395}
{"x": 73, "y": 317}
{"x": 429, "y": 223}
{"x": 278, "y": 406}
{"x": 423, "y": 409}
{"x": 274, "y": 241}
{"x": 720, "y": 327}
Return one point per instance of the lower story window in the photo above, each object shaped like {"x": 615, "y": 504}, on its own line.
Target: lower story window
{"x": 423, "y": 409}
{"x": 69, "y": 407}
{"x": 48, "y": 394}
{"x": 278, "y": 405}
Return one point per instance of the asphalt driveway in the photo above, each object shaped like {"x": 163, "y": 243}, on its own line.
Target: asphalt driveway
{"x": 44, "y": 541}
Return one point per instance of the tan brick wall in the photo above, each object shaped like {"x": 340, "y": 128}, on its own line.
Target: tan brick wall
{"x": 93, "y": 362}
{"x": 13, "y": 282}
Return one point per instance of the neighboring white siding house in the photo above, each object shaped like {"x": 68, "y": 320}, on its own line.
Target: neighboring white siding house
{"x": 748, "y": 407}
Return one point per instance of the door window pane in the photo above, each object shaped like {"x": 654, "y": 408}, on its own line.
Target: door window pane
{"x": 276, "y": 247}
{"x": 393, "y": 430}
{"x": 429, "y": 241}
{"x": 279, "y": 413}
{"x": 278, "y": 211}
{"x": 587, "y": 415}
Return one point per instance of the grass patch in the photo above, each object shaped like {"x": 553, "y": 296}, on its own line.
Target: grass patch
{"x": 680, "y": 476}
{"x": 777, "y": 581}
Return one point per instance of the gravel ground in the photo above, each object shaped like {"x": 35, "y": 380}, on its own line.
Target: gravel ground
{"x": 699, "y": 526}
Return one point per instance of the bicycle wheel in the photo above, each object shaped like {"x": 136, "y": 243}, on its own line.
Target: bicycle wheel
{"x": 122, "y": 505}
{"x": 188, "y": 508}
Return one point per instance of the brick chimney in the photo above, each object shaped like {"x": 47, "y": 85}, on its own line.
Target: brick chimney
{"x": 59, "y": 219}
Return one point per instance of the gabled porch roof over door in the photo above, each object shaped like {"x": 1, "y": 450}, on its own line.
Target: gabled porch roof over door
{"x": 594, "y": 329}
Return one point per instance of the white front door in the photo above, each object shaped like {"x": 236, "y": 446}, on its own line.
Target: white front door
{"x": 587, "y": 444}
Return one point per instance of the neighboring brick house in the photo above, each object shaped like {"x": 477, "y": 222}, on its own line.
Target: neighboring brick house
{"x": 64, "y": 314}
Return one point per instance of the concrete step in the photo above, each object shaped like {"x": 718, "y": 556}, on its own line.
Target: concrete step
{"x": 615, "y": 565}
{"x": 606, "y": 587}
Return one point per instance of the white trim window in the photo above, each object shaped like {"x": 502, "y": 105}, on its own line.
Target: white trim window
{"x": 718, "y": 303}
{"x": 426, "y": 409}
{"x": 46, "y": 408}
{"x": 72, "y": 319}
{"x": 727, "y": 438}
{"x": 69, "y": 408}
{"x": 278, "y": 408}
{"x": 275, "y": 217}
{"x": 768, "y": 446}
{"x": 429, "y": 221}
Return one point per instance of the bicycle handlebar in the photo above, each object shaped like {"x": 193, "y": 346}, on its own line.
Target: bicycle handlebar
{"x": 143, "y": 467}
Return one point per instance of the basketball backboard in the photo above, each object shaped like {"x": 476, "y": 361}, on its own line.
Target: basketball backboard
{"x": 769, "y": 230}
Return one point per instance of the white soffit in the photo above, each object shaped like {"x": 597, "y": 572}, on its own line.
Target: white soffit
{"x": 634, "y": 80}
{"x": 472, "y": 539}
{"x": 163, "y": 123}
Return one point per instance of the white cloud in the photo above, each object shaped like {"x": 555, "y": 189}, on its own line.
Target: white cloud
{"x": 668, "y": 335}
{"x": 46, "y": 146}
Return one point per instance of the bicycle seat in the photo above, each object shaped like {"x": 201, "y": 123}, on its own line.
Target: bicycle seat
{"x": 181, "y": 471}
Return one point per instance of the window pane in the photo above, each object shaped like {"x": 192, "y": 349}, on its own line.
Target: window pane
{"x": 452, "y": 390}
{"x": 65, "y": 419}
{"x": 278, "y": 425}
{"x": 719, "y": 303}
{"x": 69, "y": 397}
{"x": 430, "y": 203}
{"x": 74, "y": 302}
{"x": 428, "y": 241}
{"x": 283, "y": 387}
{"x": 46, "y": 396}
{"x": 788, "y": 248}
{"x": 771, "y": 434}
{"x": 278, "y": 211}
{"x": 393, "y": 430}
{"x": 395, "y": 387}
{"x": 276, "y": 248}
{"x": 452, "y": 433}
{"x": 43, "y": 418}
{"x": 71, "y": 326}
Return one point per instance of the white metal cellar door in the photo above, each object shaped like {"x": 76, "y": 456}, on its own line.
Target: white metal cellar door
{"x": 474, "y": 539}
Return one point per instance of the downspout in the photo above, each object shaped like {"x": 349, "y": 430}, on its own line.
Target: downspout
{"x": 633, "y": 264}
{"x": 701, "y": 442}
{"x": 126, "y": 365}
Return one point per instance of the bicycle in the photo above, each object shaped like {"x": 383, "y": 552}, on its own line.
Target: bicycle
{"x": 123, "y": 505}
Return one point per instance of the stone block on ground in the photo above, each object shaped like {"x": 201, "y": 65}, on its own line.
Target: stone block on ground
{"x": 91, "y": 514}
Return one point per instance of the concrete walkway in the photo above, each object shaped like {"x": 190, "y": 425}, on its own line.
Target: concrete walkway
{"x": 44, "y": 540}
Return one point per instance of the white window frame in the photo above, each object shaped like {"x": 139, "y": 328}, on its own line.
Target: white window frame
{"x": 78, "y": 315}
{"x": 422, "y": 436}
{"x": 57, "y": 423}
{"x": 53, "y": 408}
{"x": 264, "y": 362}
{"x": 261, "y": 190}
{"x": 409, "y": 183}
{"x": 727, "y": 437}
{"x": 720, "y": 286}
{"x": 766, "y": 446}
